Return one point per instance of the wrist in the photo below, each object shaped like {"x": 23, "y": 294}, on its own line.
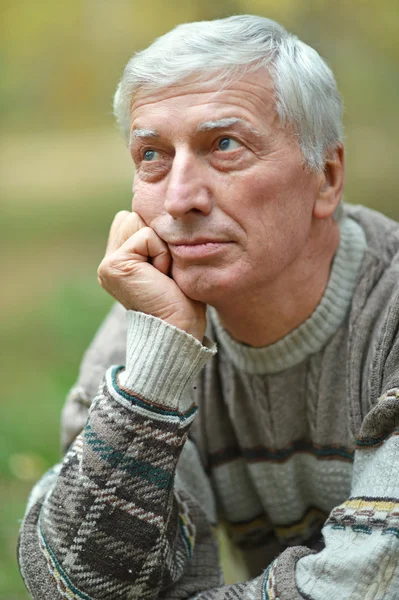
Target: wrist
{"x": 162, "y": 360}
{"x": 195, "y": 327}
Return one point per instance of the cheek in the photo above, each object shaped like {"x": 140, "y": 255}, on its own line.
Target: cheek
{"x": 272, "y": 210}
{"x": 147, "y": 201}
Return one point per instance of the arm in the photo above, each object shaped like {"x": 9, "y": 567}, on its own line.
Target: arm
{"x": 113, "y": 521}
{"x": 118, "y": 519}
{"x": 361, "y": 557}
{"x": 129, "y": 513}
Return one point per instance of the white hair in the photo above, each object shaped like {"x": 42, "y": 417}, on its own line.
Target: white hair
{"x": 306, "y": 94}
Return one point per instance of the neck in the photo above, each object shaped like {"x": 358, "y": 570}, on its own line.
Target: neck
{"x": 263, "y": 317}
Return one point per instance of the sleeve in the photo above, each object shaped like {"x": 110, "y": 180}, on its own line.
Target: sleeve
{"x": 361, "y": 555}
{"x": 129, "y": 514}
{"x": 360, "y": 560}
{"x": 114, "y": 520}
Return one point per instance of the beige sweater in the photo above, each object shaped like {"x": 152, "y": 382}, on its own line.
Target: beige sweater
{"x": 294, "y": 445}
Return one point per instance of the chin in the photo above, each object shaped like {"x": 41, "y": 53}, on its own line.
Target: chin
{"x": 201, "y": 285}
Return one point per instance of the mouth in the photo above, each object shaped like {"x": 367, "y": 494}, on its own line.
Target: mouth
{"x": 197, "y": 249}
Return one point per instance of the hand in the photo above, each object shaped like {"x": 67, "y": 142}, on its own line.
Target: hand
{"x": 135, "y": 272}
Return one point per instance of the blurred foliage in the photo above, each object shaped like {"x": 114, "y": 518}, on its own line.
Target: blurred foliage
{"x": 60, "y": 61}
{"x": 64, "y": 172}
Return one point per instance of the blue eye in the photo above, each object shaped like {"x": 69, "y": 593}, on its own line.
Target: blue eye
{"x": 149, "y": 155}
{"x": 228, "y": 143}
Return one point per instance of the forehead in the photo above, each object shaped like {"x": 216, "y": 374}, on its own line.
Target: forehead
{"x": 189, "y": 103}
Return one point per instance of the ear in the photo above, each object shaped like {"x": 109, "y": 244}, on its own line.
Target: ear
{"x": 331, "y": 185}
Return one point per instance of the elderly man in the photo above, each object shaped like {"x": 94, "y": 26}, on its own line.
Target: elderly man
{"x": 289, "y": 433}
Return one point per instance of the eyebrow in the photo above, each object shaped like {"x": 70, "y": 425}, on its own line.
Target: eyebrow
{"x": 227, "y": 122}
{"x": 205, "y": 126}
{"x": 144, "y": 133}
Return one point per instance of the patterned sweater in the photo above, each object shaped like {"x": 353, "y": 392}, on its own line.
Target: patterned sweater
{"x": 294, "y": 445}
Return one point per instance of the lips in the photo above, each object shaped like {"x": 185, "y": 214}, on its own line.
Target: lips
{"x": 197, "y": 249}
{"x": 195, "y": 242}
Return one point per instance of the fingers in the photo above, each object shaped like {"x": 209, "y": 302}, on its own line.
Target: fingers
{"x": 134, "y": 272}
{"x": 124, "y": 225}
{"x": 144, "y": 245}
{"x": 130, "y": 234}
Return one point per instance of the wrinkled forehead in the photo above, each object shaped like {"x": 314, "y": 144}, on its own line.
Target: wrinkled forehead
{"x": 250, "y": 96}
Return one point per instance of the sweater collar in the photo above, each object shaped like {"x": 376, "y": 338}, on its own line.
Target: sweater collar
{"x": 309, "y": 337}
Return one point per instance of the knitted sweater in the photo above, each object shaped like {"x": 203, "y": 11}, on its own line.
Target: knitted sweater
{"x": 294, "y": 445}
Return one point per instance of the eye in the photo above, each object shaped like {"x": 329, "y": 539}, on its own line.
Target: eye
{"x": 228, "y": 143}
{"x": 150, "y": 155}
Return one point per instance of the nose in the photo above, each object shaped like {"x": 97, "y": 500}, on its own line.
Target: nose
{"x": 187, "y": 190}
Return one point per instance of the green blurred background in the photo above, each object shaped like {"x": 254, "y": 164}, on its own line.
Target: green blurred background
{"x": 64, "y": 172}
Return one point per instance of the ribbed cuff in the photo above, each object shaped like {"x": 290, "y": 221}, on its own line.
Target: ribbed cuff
{"x": 162, "y": 360}
{"x": 285, "y": 565}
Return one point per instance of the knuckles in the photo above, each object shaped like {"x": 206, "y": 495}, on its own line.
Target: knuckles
{"x": 101, "y": 275}
{"x": 124, "y": 271}
{"x": 113, "y": 269}
{"x": 121, "y": 215}
{"x": 104, "y": 271}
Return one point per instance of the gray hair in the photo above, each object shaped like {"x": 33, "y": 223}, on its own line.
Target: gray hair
{"x": 307, "y": 99}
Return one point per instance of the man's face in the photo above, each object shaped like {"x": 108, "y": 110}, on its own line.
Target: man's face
{"x": 223, "y": 184}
